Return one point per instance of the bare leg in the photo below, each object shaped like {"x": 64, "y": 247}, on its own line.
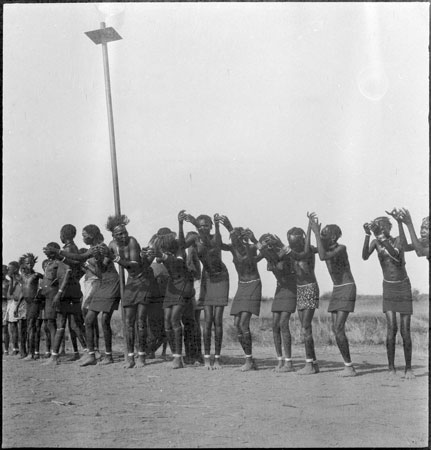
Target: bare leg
{"x": 392, "y": 328}
{"x": 407, "y": 344}
{"x": 198, "y": 337}
{"x": 177, "y": 312}
{"x": 37, "y": 338}
{"x": 142, "y": 317}
{"x": 13, "y": 331}
{"x": 244, "y": 324}
{"x": 338, "y": 327}
{"x": 188, "y": 321}
{"x": 218, "y": 335}
{"x": 6, "y": 339}
{"x": 59, "y": 335}
{"x": 22, "y": 333}
{"x": 47, "y": 338}
{"x": 209, "y": 319}
{"x": 130, "y": 313}
{"x": 31, "y": 331}
{"x": 107, "y": 333}
{"x": 276, "y": 334}
{"x": 90, "y": 358}
{"x": 311, "y": 367}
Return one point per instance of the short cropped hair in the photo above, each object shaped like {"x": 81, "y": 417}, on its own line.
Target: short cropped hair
{"x": 94, "y": 231}
{"x": 53, "y": 244}
{"x": 68, "y": 230}
{"x": 333, "y": 230}
{"x": 295, "y": 231}
{"x": 204, "y": 217}
{"x": 165, "y": 240}
{"x": 383, "y": 219}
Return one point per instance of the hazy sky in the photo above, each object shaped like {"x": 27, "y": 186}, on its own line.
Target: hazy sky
{"x": 259, "y": 111}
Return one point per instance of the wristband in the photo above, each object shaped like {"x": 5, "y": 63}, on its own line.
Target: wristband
{"x": 60, "y": 291}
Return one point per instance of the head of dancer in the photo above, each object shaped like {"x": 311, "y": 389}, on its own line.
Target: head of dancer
{"x": 67, "y": 233}
{"x": 27, "y": 262}
{"x": 117, "y": 226}
{"x": 241, "y": 235}
{"x": 425, "y": 230}
{"x": 12, "y": 268}
{"x": 330, "y": 235}
{"x": 271, "y": 241}
{"x": 91, "y": 235}
{"x": 204, "y": 225}
{"x": 49, "y": 254}
{"x": 164, "y": 241}
{"x": 384, "y": 225}
{"x": 296, "y": 239}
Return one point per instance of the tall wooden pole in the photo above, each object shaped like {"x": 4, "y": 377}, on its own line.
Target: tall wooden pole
{"x": 103, "y": 36}
{"x": 111, "y": 126}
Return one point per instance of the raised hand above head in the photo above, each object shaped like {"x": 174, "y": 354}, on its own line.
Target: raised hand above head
{"x": 405, "y": 216}
{"x": 250, "y": 235}
{"x": 226, "y": 222}
{"x": 367, "y": 228}
{"x": 182, "y": 216}
{"x": 395, "y": 213}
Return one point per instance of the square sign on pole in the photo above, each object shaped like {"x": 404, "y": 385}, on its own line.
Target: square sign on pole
{"x": 103, "y": 35}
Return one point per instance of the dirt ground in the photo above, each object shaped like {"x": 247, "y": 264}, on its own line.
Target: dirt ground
{"x": 108, "y": 406}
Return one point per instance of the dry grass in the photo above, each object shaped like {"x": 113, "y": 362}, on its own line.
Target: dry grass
{"x": 366, "y": 326}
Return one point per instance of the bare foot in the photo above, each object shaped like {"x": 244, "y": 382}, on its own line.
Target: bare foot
{"x": 308, "y": 369}
{"x": 280, "y": 366}
{"x": 36, "y": 356}
{"x": 188, "y": 360}
{"x": 76, "y": 357}
{"x": 129, "y": 363}
{"x": 47, "y": 355}
{"x": 53, "y": 361}
{"x": 316, "y": 367}
{"x": 392, "y": 373}
{"x": 28, "y": 358}
{"x": 248, "y": 365}
{"x": 97, "y": 354}
{"x": 199, "y": 359}
{"x": 348, "y": 371}
{"x": 141, "y": 362}
{"x": 177, "y": 363}
{"x": 207, "y": 363}
{"x": 15, "y": 352}
{"x": 217, "y": 365}
{"x": 107, "y": 359}
{"x": 22, "y": 355}
{"x": 409, "y": 375}
{"x": 83, "y": 357}
{"x": 90, "y": 360}
{"x": 151, "y": 355}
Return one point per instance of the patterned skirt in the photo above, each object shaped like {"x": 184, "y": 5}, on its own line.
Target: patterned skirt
{"x": 308, "y": 296}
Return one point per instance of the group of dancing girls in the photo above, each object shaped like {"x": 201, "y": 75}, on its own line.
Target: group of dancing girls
{"x": 189, "y": 290}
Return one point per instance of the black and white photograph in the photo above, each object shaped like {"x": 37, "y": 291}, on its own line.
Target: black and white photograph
{"x": 215, "y": 225}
